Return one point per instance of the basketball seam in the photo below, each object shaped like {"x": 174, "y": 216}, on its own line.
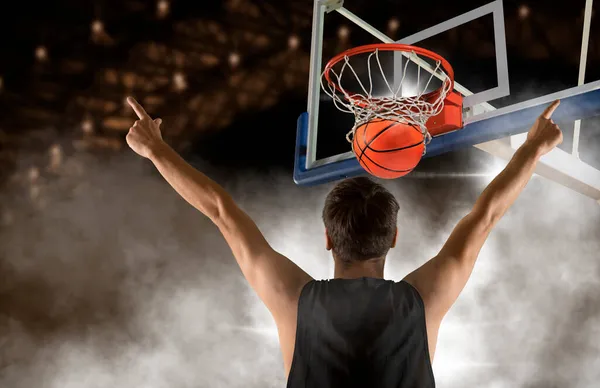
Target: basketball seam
{"x": 395, "y": 149}
{"x": 375, "y": 163}
{"x": 364, "y": 133}
{"x": 377, "y": 135}
{"x": 388, "y": 169}
{"x": 362, "y": 152}
{"x": 367, "y": 146}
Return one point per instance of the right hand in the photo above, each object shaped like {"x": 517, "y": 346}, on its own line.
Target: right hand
{"x": 544, "y": 135}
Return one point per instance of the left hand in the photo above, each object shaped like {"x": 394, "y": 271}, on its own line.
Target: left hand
{"x": 144, "y": 136}
{"x": 545, "y": 135}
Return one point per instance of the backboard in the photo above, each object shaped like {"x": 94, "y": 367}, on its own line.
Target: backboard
{"x": 499, "y": 101}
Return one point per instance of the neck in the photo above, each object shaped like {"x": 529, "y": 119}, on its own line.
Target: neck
{"x": 372, "y": 268}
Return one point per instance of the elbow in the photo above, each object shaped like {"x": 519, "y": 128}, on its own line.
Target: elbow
{"x": 221, "y": 207}
{"x": 488, "y": 214}
{"x": 225, "y": 212}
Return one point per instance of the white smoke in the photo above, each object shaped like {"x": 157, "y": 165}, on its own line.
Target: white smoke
{"x": 116, "y": 281}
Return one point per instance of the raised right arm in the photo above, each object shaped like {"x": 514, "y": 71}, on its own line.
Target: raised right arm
{"x": 441, "y": 279}
{"x": 276, "y": 279}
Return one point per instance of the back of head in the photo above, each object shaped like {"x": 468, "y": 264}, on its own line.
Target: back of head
{"x": 360, "y": 217}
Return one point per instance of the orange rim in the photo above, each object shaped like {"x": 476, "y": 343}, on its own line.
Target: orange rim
{"x": 387, "y": 47}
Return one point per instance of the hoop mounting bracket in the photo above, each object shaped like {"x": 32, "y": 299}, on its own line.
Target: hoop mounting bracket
{"x": 331, "y": 5}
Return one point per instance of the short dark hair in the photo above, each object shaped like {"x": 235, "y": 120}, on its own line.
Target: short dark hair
{"x": 360, "y": 217}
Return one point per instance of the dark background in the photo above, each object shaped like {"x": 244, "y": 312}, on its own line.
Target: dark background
{"x": 244, "y": 115}
{"x": 107, "y": 278}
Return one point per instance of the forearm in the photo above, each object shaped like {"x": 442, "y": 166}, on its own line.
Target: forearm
{"x": 502, "y": 192}
{"x": 196, "y": 188}
{"x": 450, "y": 270}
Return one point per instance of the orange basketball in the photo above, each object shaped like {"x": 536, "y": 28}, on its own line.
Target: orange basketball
{"x": 388, "y": 149}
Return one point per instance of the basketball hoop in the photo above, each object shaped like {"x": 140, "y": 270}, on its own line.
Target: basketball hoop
{"x": 416, "y": 109}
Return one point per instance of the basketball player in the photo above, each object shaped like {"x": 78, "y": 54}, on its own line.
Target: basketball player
{"x": 356, "y": 330}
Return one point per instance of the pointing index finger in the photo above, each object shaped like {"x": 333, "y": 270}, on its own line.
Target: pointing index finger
{"x": 550, "y": 109}
{"x": 137, "y": 108}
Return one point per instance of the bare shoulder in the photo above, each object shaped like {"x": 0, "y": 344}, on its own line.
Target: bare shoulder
{"x": 278, "y": 281}
{"x": 437, "y": 281}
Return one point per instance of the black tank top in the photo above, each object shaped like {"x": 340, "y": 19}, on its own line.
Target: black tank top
{"x": 367, "y": 333}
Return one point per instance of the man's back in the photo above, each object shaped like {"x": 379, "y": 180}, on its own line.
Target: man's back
{"x": 363, "y": 332}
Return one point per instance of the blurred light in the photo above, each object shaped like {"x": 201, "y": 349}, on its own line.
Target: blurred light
{"x": 234, "y": 59}
{"x": 393, "y": 24}
{"x": 524, "y": 12}
{"x": 409, "y": 89}
{"x": 55, "y": 157}
{"x": 129, "y": 79}
{"x": 97, "y": 27}
{"x": 343, "y": 32}
{"x": 41, "y": 53}
{"x": 293, "y": 42}
{"x": 179, "y": 81}
{"x": 87, "y": 126}
{"x": 33, "y": 174}
{"x": 162, "y": 8}
{"x": 1, "y": 83}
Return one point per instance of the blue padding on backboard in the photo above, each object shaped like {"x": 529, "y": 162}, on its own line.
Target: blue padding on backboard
{"x": 571, "y": 108}
{"x": 501, "y": 123}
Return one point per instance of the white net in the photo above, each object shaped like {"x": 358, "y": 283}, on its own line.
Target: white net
{"x": 414, "y": 109}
